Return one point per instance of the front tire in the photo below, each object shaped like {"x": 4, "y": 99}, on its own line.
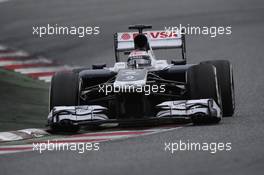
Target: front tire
{"x": 64, "y": 91}
{"x": 225, "y": 78}
{"x": 202, "y": 84}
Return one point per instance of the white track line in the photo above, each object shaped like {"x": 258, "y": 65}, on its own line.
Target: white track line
{"x": 21, "y": 62}
{"x": 8, "y": 136}
{"x": 14, "y": 54}
{"x": 45, "y": 78}
{"x": 22, "y": 134}
{"x": 6, "y": 149}
{"x": 42, "y": 69}
{"x": 103, "y": 137}
{"x": 12, "y": 57}
{"x": 87, "y": 137}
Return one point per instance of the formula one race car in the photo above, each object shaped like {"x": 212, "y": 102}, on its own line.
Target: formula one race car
{"x": 142, "y": 90}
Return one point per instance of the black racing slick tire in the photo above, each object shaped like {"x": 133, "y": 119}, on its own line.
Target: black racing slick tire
{"x": 64, "y": 91}
{"x": 226, "y": 82}
{"x": 202, "y": 84}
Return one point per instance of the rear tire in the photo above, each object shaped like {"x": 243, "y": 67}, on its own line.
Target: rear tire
{"x": 64, "y": 91}
{"x": 202, "y": 84}
{"x": 225, "y": 79}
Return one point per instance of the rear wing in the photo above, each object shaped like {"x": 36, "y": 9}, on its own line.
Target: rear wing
{"x": 158, "y": 39}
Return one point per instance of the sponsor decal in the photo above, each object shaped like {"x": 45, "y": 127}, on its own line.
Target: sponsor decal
{"x": 125, "y": 36}
{"x": 152, "y": 35}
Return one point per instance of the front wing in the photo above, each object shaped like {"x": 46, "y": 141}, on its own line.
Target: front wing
{"x": 181, "y": 111}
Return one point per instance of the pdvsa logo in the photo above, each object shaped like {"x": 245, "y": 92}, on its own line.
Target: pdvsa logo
{"x": 151, "y": 35}
{"x": 159, "y": 34}
{"x": 125, "y": 36}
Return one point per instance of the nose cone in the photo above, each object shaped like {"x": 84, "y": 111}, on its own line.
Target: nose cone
{"x": 128, "y": 77}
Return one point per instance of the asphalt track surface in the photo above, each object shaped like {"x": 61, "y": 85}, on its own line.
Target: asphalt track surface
{"x": 146, "y": 155}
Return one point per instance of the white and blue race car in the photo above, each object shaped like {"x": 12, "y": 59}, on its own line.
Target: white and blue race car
{"x": 143, "y": 89}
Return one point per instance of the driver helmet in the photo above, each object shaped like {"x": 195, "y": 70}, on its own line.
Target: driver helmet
{"x": 139, "y": 59}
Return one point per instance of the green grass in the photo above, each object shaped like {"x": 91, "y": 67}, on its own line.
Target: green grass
{"x": 23, "y": 101}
